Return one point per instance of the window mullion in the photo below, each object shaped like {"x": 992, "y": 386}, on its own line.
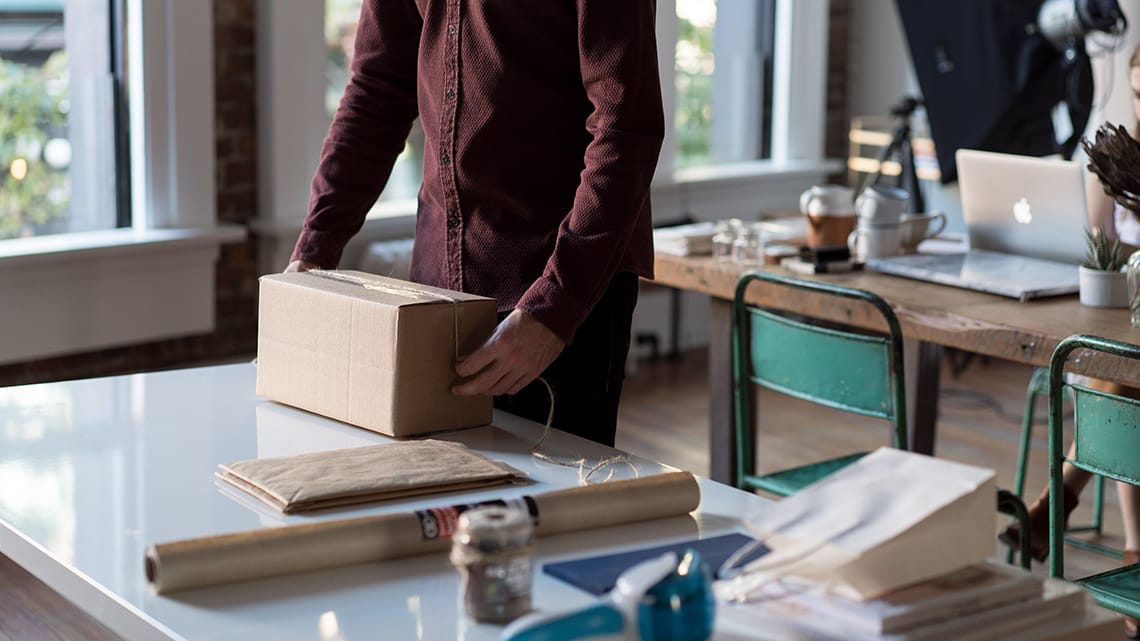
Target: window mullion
{"x": 799, "y": 94}
{"x": 90, "y": 88}
{"x": 172, "y": 113}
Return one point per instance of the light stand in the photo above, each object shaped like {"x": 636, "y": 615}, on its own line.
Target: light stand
{"x": 901, "y": 144}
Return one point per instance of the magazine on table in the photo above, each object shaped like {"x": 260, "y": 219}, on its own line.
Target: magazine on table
{"x": 1056, "y": 603}
{"x": 962, "y": 592}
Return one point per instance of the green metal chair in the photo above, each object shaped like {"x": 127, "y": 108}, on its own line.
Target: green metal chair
{"x": 1106, "y": 432}
{"x": 838, "y": 368}
{"x": 1039, "y": 388}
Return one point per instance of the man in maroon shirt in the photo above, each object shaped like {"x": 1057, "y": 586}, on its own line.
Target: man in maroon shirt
{"x": 543, "y": 124}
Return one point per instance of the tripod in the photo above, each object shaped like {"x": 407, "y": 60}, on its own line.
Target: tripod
{"x": 901, "y": 144}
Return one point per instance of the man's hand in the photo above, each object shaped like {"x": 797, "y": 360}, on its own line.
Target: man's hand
{"x": 300, "y": 266}
{"x": 518, "y": 351}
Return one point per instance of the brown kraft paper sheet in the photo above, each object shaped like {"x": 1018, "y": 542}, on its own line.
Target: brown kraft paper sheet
{"x": 254, "y": 554}
{"x": 335, "y": 478}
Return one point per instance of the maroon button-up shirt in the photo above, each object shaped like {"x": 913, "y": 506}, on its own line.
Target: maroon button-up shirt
{"x": 542, "y": 122}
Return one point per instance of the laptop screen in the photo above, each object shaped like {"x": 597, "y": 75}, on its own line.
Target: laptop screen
{"x": 1023, "y": 205}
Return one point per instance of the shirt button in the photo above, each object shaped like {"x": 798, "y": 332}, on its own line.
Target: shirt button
{"x": 450, "y": 94}
{"x": 446, "y": 160}
{"x": 451, "y": 29}
{"x": 453, "y": 221}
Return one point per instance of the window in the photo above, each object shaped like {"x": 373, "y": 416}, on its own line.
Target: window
{"x": 723, "y": 81}
{"x": 744, "y": 95}
{"x": 58, "y": 164}
{"x": 145, "y": 270}
{"x": 341, "y": 17}
{"x": 723, "y": 84}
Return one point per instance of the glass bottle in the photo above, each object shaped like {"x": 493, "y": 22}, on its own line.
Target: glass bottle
{"x": 1133, "y": 270}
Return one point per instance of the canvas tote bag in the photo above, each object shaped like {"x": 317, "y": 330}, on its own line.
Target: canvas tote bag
{"x": 891, "y": 519}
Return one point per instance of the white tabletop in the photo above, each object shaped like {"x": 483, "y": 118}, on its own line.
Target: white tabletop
{"x": 94, "y": 471}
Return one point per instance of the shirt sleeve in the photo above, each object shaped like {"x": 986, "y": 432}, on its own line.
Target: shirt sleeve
{"x": 617, "y": 50}
{"x": 369, "y": 130}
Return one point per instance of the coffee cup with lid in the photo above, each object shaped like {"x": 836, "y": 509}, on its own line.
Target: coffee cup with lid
{"x": 830, "y": 213}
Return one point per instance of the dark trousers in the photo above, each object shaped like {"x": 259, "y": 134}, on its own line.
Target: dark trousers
{"x": 588, "y": 374}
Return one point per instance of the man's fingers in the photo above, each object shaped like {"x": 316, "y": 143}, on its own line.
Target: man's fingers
{"x": 482, "y": 382}
{"x": 474, "y": 362}
{"x": 511, "y": 383}
{"x": 521, "y": 383}
{"x": 300, "y": 266}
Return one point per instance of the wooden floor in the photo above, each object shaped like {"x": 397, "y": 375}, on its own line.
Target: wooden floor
{"x": 665, "y": 417}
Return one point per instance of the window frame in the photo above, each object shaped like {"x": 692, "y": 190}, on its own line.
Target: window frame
{"x": 72, "y": 293}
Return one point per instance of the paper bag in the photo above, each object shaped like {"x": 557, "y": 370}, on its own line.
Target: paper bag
{"x": 891, "y": 519}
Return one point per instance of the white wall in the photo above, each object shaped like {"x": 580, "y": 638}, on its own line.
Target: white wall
{"x": 880, "y": 72}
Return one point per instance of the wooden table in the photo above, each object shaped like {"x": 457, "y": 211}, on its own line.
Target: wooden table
{"x": 932, "y": 317}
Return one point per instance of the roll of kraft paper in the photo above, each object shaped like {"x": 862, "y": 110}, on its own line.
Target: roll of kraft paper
{"x": 255, "y": 554}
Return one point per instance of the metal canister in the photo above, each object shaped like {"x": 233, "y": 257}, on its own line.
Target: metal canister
{"x": 493, "y": 549}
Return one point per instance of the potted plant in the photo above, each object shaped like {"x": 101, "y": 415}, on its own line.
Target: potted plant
{"x": 1102, "y": 281}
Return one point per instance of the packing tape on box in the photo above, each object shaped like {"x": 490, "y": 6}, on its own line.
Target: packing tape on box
{"x": 387, "y": 288}
{"x": 395, "y": 290}
{"x": 255, "y": 554}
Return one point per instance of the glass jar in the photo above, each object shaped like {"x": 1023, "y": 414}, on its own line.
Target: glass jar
{"x": 493, "y": 548}
{"x": 1133, "y": 271}
{"x": 748, "y": 249}
{"x": 724, "y": 235}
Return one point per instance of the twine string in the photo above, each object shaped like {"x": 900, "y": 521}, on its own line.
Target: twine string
{"x": 584, "y": 474}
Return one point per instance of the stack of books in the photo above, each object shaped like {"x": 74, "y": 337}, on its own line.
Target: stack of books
{"x": 980, "y": 603}
{"x": 694, "y": 239}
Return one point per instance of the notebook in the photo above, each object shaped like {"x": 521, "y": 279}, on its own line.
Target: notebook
{"x": 1025, "y": 219}
{"x": 598, "y": 574}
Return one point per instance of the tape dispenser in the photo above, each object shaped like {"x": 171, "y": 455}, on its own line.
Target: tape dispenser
{"x": 665, "y": 598}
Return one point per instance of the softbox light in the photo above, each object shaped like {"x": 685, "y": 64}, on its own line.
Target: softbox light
{"x": 989, "y": 79}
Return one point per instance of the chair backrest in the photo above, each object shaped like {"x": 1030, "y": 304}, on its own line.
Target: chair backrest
{"x": 836, "y": 367}
{"x": 1105, "y": 431}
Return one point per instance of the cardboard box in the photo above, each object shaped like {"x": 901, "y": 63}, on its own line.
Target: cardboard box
{"x": 372, "y": 351}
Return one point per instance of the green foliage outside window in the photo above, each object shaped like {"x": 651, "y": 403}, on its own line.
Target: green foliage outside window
{"x": 34, "y": 196}
{"x": 694, "y": 69}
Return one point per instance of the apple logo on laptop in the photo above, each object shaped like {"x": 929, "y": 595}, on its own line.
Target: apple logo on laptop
{"x": 1021, "y": 212}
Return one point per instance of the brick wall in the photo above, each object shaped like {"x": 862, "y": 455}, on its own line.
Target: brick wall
{"x": 236, "y": 307}
{"x": 838, "y": 120}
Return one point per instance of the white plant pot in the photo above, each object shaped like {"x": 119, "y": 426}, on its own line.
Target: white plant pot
{"x": 1103, "y": 289}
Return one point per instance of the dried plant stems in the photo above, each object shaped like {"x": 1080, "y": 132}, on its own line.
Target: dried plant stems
{"x": 1114, "y": 156}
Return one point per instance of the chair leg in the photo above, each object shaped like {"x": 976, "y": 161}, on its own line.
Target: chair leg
{"x": 1008, "y": 503}
{"x": 1095, "y": 527}
{"x": 1038, "y": 385}
{"x": 1098, "y": 506}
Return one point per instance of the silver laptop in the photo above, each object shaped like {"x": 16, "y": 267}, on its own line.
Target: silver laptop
{"x": 1025, "y": 219}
